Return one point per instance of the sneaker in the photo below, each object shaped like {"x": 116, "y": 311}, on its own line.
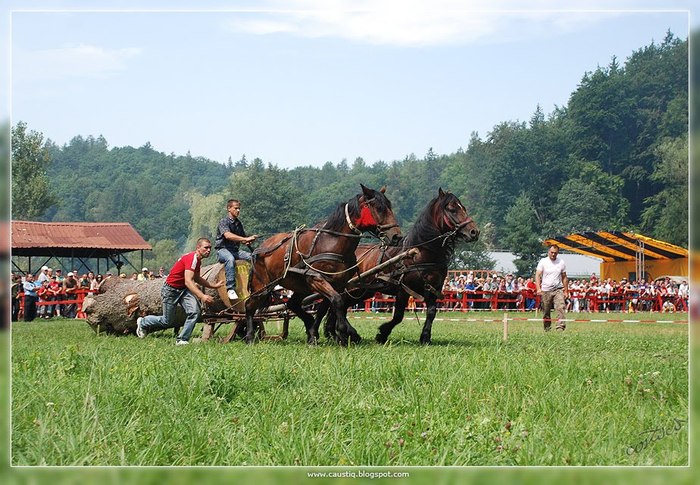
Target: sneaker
{"x": 181, "y": 342}
{"x": 232, "y": 295}
{"x": 140, "y": 332}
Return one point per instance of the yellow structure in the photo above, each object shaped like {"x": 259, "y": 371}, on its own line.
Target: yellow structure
{"x": 626, "y": 254}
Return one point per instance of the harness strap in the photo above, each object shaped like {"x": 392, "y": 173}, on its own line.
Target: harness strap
{"x": 350, "y": 224}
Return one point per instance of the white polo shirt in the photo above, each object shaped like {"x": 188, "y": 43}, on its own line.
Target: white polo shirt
{"x": 551, "y": 273}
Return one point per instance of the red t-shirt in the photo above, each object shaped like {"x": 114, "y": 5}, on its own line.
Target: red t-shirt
{"x": 190, "y": 261}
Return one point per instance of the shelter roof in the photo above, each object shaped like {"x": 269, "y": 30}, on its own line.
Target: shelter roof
{"x": 617, "y": 246}
{"x": 87, "y": 239}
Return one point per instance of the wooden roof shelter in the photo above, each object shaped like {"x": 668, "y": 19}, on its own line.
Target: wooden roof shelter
{"x": 626, "y": 253}
{"x": 81, "y": 240}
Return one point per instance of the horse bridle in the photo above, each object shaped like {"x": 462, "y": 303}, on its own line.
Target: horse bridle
{"x": 381, "y": 228}
{"x": 453, "y": 225}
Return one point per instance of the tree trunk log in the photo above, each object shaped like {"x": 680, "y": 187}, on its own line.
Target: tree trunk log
{"x": 121, "y": 302}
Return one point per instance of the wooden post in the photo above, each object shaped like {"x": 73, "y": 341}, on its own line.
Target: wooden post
{"x": 505, "y": 327}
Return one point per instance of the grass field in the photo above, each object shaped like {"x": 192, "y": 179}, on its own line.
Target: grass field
{"x": 597, "y": 394}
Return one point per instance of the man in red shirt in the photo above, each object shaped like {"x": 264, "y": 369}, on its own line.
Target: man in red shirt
{"x": 180, "y": 288}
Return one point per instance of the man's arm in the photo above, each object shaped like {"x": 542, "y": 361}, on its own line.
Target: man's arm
{"x": 224, "y": 228}
{"x": 538, "y": 281}
{"x": 192, "y": 286}
{"x": 235, "y": 237}
{"x": 565, "y": 283}
{"x": 203, "y": 282}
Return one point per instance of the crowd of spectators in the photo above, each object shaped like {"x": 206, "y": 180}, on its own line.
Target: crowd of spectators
{"x": 50, "y": 294}
{"x": 587, "y": 295}
{"x": 514, "y": 292}
{"x": 517, "y": 293}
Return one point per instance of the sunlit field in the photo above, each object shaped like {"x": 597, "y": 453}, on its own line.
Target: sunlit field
{"x": 613, "y": 393}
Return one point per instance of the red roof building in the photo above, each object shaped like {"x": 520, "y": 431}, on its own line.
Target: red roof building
{"x": 82, "y": 240}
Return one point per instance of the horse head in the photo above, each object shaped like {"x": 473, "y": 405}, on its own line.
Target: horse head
{"x": 451, "y": 216}
{"x": 372, "y": 212}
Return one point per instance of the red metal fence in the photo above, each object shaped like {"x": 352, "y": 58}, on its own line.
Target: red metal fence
{"x": 487, "y": 300}
{"x": 467, "y": 301}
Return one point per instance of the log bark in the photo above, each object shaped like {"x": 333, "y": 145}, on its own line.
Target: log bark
{"x": 121, "y": 302}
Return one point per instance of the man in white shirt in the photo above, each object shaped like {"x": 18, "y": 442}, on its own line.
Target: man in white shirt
{"x": 553, "y": 286}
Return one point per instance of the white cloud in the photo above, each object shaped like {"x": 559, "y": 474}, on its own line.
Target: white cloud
{"x": 79, "y": 61}
{"x": 421, "y": 22}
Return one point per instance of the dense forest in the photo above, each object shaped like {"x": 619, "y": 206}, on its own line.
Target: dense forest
{"x": 614, "y": 158}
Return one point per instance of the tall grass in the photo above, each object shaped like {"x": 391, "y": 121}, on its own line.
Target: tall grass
{"x": 589, "y": 396}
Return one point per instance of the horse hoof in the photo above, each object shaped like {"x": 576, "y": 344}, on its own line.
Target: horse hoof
{"x": 355, "y": 338}
{"x": 312, "y": 341}
{"x": 425, "y": 341}
{"x": 380, "y": 338}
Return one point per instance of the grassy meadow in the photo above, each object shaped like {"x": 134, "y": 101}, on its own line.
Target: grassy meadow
{"x": 597, "y": 394}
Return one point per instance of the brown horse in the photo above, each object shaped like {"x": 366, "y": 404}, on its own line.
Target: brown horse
{"x": 434, "y": 235}
{"x": 319, "y": 260}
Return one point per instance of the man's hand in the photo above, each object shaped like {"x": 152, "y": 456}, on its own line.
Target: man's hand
{"x": 218, "y": 284}
{"x": 208, "y": 299}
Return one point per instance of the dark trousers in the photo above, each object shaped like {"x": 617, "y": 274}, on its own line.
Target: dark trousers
{"x": 29, "y": 308}
{"x": 15, "y": 309}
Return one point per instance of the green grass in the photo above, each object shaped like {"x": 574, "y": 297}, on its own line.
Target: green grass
{"x": 582, "y": 397}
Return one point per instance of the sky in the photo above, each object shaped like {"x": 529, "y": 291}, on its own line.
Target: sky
{"x": 305, "y": 82}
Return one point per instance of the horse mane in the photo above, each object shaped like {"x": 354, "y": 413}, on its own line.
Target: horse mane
{"x": 425, "y": 231}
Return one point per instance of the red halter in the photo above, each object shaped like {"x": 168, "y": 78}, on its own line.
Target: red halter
{"x": 366, "y": 218}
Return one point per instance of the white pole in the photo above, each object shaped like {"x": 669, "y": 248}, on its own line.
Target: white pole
{"x": 505, "y": 327}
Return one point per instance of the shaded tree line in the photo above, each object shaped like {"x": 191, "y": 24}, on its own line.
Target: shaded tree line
{"x": 614, "y": 158}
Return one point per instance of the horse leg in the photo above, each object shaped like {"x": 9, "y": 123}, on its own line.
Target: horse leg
{"x": 430, "y": 312}
{"x": 399, "y": 310}
{"x": 321, "y": 312}
{"x": 251, "y": 306}
{"x": 336, "y": 301}
{"x": 294, "y": 304}
{"x": 329, "y": 327}
{"x": 344, "y": 331}
{"x": 354, "y": 336}
{"x": 331, "y": 330}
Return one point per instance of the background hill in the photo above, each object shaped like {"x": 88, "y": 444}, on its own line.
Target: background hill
{"x": 615, "y": 157}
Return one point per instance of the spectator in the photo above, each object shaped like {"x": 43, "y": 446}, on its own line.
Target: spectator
{"x": 143, "y": 275}
{"x": 42, "y": 297}
{"x": 70, "y": 286}
{"x": 84, "y": 281}
{"x": 30, "y": 297}
{"x": 469, "y": 289}
{"x": 96, "y": 284}
{"x": 43, "y": 275}
{"x": 529, "y": 294}
{"x": 54, "y": 294}
{"x": 15, "y": 292}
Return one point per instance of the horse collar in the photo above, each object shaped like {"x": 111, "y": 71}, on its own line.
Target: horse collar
{"x": 347, "y": 219}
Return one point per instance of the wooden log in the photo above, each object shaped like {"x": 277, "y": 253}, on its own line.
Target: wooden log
{"x": 121, "y": 302}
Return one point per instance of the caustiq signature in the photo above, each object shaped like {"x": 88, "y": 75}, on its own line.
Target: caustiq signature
{"x": 651, "y": 436}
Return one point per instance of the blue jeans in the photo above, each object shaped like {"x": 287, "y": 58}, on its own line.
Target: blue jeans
{"x": 228, "y": 258}
{"x": 171, "y": 298}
